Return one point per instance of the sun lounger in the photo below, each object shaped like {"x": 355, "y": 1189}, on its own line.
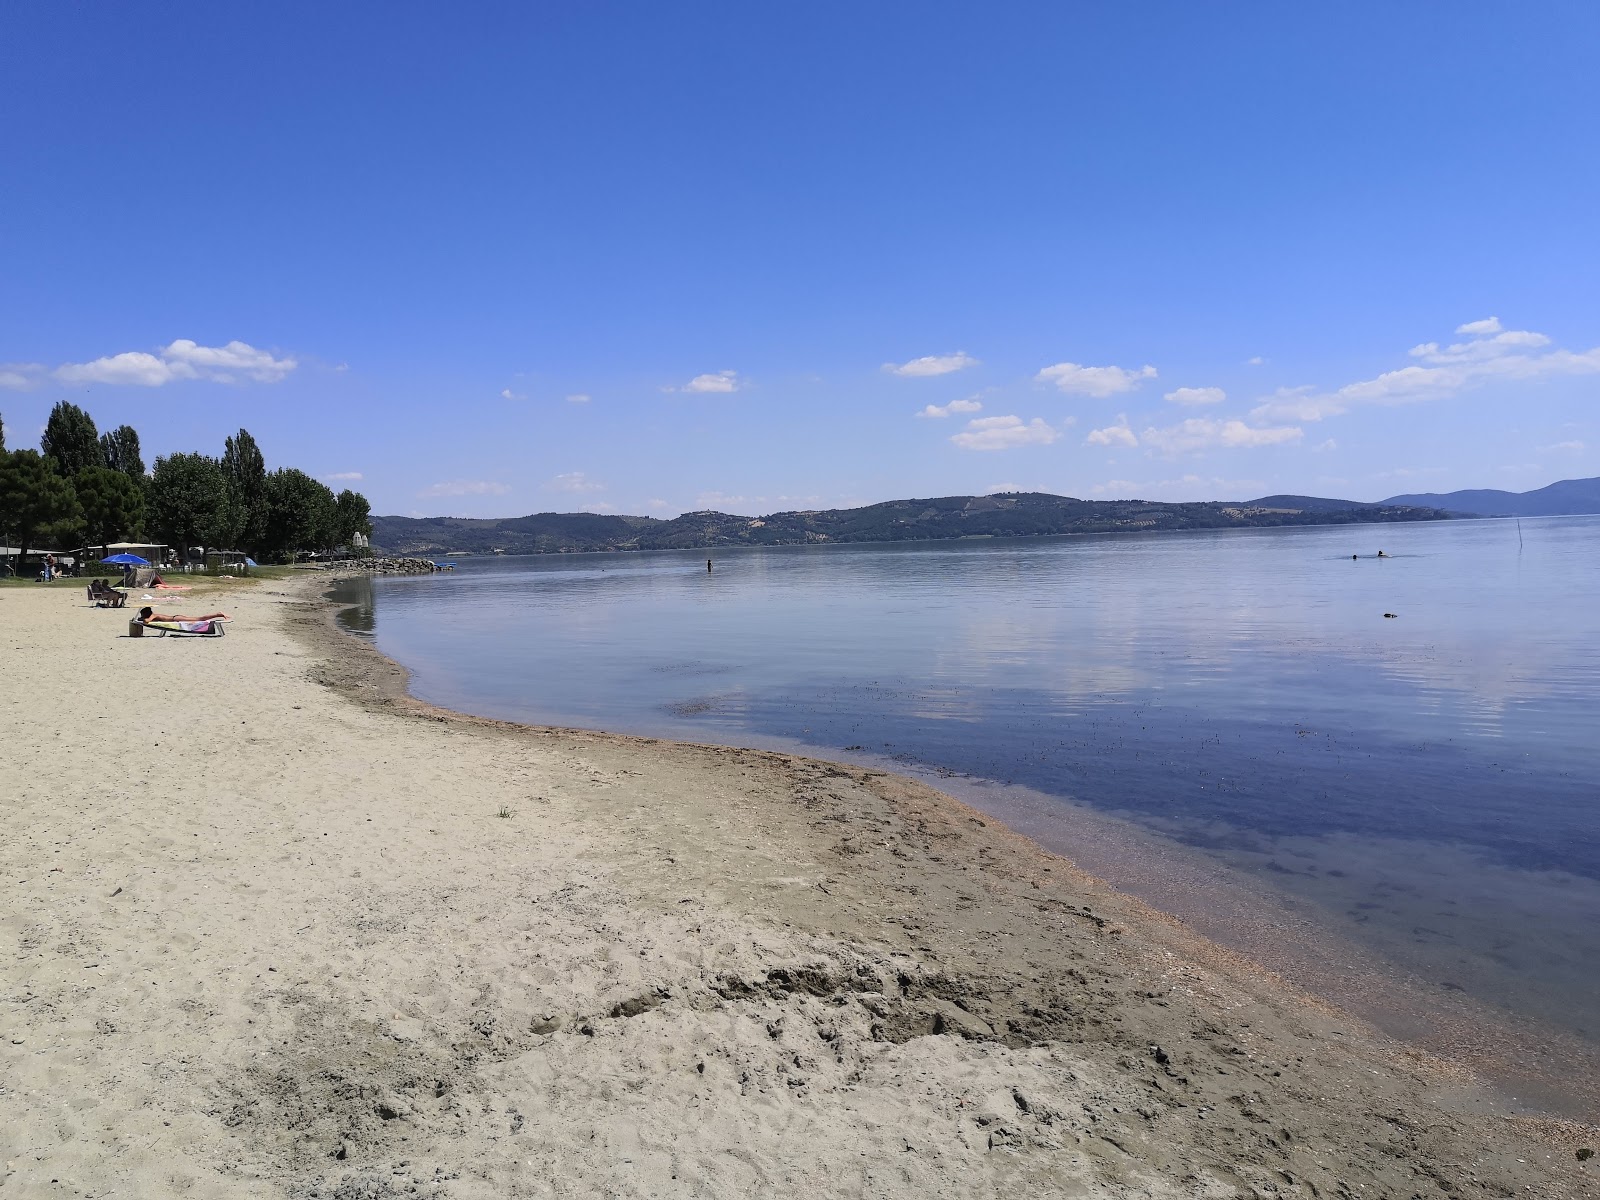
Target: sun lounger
{"x": 138, "y": 628}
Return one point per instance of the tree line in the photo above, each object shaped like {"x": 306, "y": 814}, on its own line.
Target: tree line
{"x": 83, "y": 487}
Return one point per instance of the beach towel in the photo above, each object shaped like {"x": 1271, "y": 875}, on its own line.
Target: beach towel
{"x": 184, "y": 628}
{"x": 174, "y": 587}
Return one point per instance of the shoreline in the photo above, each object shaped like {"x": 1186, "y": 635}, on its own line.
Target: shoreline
{"x": 1534, "y": 1068}
{"x": 1469, "y": 1036}
{"x": 671, "y": 968}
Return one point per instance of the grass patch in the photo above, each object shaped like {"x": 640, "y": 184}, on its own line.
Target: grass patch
{"x": 12, "y": 581}
{"x": 506, "y": 811}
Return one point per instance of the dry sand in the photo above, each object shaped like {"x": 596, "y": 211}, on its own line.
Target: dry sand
{"x": 266, "y": 934}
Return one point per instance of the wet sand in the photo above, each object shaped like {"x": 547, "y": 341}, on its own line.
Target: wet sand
{"x": 274, "y": 929}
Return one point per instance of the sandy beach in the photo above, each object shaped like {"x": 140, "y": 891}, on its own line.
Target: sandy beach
{"x": 273, "y": 929}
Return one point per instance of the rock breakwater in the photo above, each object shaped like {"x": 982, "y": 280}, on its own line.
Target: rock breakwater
{"x": 391, "y": 566}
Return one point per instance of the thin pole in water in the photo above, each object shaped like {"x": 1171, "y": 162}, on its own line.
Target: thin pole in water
{"x": 1519, "y": 533}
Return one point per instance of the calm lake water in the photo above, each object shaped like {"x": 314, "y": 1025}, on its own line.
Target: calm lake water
{"x": 1427, "y": 781}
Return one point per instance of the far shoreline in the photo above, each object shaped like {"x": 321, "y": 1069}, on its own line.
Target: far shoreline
{"x": 1443, "y": 517}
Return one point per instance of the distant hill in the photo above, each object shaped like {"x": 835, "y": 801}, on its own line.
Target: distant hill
{"x": 1570, "y": 497}
{"x": 1014, "y": 514}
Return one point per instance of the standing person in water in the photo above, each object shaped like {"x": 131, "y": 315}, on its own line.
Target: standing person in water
{"x": 708, "y": 566}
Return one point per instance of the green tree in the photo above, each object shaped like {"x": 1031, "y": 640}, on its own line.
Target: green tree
{"x": 71, "y": 439}
{"x": 246, "y": 470}
{"x": 352, "y": 515}
{"x": 119, "y": 450}
{"x": 35, "y": 502}
{"x": 301, "y": 514}
{"x": 112, "y": 503}
{"x": 189, "y": 504}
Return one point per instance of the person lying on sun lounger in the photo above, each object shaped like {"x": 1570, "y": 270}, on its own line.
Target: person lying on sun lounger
{"x": 178, "y": 624}
{"x": 148, "y": 614}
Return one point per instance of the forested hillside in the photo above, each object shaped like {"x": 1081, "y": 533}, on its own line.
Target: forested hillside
{"x": 1017, "y": 514}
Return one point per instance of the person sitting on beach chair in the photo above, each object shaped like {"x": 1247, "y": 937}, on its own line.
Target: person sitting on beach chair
{"x": 103, "y": 595}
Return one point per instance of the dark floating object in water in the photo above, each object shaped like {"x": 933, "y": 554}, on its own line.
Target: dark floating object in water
{"x": 1391, "y": 614}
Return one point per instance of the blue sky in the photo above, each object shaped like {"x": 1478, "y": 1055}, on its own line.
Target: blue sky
{"x": 495, "y": 259}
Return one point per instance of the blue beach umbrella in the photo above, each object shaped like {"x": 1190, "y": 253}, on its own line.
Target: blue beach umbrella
{"x": 127, "y": 560}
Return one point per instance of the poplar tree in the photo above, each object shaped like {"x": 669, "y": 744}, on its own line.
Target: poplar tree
{"x": 246, "y": 471}
{"x": 119, "y": 450}
{"x": 71, "y": 439}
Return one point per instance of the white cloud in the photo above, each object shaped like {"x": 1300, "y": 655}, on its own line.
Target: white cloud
{"x": 940, "y": 411}
{"x": 1324, "y": 447}
{"x": 465, "y": 487}
{"x": 598, "y": 506}
{"x": 1481, "y": 349}
{"x": 996, "y": 488}
{"x": 656, "y": 504}
{"x": 1202, "y": 433}
{"x": 573, "y": 481}
{"x": 1494, "y": 354}
{"x": 1192, "y": 396}
{"x": 719, "y": 381}
{"x": 578, "y": 398}
{"x": 1298, "y": 404}
{"x": 346, "y": 476}
{"x": 1257, "y": 361}
{"x": 1112, "y": 435}
{"x": 19, "y": 377}
{"x": 133, "y": 367}
{"x": 508, "y": 394}
{"x": 183, "y": 359}
{"x": 1573, "y": 447}
{"x": 1099, "y": 382}
{"x": 218, "y": 362}
{"x": 932, "y": 364}
{"x": 1004, "y": 433}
